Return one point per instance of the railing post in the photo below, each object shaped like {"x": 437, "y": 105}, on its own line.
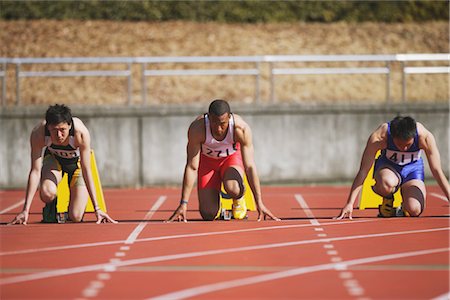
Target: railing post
{"x": 144, "y": 84}
{"x": 388, "y": 82}
{"x": 257, "y": 84}
{"x": 129, "y": 89}
{"x": 403, "y": 82}
{"x": 4, "y": 84}
{"x": 18, "y": 83}
{"x": 272, "y": 83}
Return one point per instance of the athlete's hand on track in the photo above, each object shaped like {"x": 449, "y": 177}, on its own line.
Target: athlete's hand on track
{"x": 21, "y": 218}
{"x": 179, "y": 214}
{"x": 347, "y": 210}
{"x": 103, "y": 217}
{"x": 264, "y": 211}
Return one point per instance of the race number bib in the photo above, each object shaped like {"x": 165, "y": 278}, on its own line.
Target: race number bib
{"x": 65, "y": 153}
{"x": 219, "y": 152}
{"x": 402, "y": 158}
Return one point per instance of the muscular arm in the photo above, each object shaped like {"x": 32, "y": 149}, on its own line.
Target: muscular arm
{"x": 376, "y": 141}
{"x": 34, "y": 176}
{"x": 193, "y": 159}
{"x": 83, "y": 141}
{"x": 243, "y": 135}
{"x": 195, "y": 139}
{"x": 37, "y": 143}
{"x": 428, "y": 143}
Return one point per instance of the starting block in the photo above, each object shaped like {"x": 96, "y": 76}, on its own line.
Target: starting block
{"x": 368, "y": 198}
{"x": 226, "y": 202}
{"x": 63, "y": 192}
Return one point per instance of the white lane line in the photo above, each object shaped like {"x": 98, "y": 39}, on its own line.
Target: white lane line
{"x": 439, "y": 196}
{"x": 336, "y": 259}
{"x": 346, "y": 275}
{"x": 107, "y": 268}
{"x": 95, "y": 286}
{"x": 103, "y": 276}
{"x": 133, "y": 236}
{"x": 306, "y": 209}
{"x": 9, "y": 208}
{"x": 340, "y": 267}
{"x": 58, "y": 248}
{"x": 181, "y": 236}
{"x": 93, "y": 289}
{"x": 445, "y": 296}
{"x": 355, "y": 290}
{"x": 205, "y": 289}
{"x": 146, "y": 260}
{"x": 351, "y": 283}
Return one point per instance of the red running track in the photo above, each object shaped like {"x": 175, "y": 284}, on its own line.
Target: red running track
{"x": 307, "y": 255}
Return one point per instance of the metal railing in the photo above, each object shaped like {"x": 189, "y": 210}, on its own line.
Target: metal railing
{"x": 18, "y": 62}
{"x": 384, "y": 68}
{"x": 144, "y": 61}
{"x": 387, "y": 59}
{"x": 404, "y": 58}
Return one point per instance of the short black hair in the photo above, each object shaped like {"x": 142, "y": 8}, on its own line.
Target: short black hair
{"x": 218, "y": 107}
{"x": 403, "y": 128}
{"x": 58, "y": 113}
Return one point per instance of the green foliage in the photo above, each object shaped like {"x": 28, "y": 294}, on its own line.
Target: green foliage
{"x": 246, "y": 11}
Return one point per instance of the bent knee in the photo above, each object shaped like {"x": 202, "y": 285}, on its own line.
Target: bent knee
{"x": 236, "y": 194}
{"x": 47, "y": 194}
{"x": 235, "y": 191}
{"x": 76, "y": 217}
{"x": 383, "y": 190}
{"x": 385, "y": 187}
{"x": 208, "y": 215}
{"x": 386, "y": 183}
{"x": 413, "y": 211}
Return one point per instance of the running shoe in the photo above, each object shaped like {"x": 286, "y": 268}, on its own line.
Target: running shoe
{"x": 239, "y": 209}
{"x": 386, "y": 209}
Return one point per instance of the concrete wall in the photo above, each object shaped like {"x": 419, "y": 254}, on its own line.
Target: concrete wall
{"x": 142, "y": 146}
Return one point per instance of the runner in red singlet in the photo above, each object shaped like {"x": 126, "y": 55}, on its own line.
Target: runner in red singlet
{"x": 219, "y": 150}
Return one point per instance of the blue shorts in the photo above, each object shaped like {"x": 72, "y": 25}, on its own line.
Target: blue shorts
{"x": 406, "y": 173}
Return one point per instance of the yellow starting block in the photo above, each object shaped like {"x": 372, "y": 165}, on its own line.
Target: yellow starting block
{"x": 226, "y": 201}
{"x": 368, "y": 198}
{"x": 63, "y": 192}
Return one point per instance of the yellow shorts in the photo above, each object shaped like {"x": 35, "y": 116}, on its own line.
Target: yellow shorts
{"x": 73, "y": 169}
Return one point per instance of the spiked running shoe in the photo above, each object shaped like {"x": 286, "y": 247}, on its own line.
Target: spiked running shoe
{"x": 239, "y": 209}
{"x": 386, "y": 209}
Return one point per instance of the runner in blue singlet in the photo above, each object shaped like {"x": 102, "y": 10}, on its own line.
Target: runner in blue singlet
{"x": 399, "y": 166}
{"x": 407, "y": 165}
